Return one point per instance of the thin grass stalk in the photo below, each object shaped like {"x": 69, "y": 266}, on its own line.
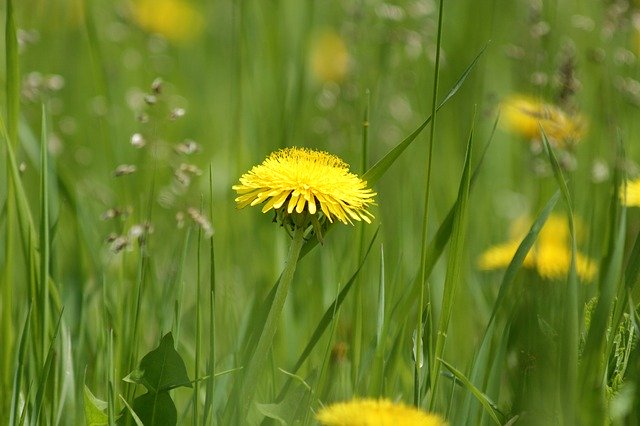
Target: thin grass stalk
{"x": 212, "y": 313}
{"x": 111, "y": 381}
{"x": 568, "y": 351}
{"x": 357, "y": 342}
{"x": 263, "y": 347}
{"x": 45, "y": 241}
{"x": 19, "y": 368}
{"x": 425, "y": 222}
{"x": 196, "y": 385}
{"x": 453, "y": 273}
{"x": 13, "y": 104}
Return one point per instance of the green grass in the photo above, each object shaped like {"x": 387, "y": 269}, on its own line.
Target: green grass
{"x": 96, "y": 268}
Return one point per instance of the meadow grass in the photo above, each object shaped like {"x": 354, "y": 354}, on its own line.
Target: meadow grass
{"x": 495, "y": 285}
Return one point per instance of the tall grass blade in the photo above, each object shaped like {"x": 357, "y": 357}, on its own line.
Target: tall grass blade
{"x": 568, "y": 350}
{"x": 19, "y": 368}
{"x": 593, "y": 363}
{"x": 45, "y": 241}
{"x": 327, "y": 317}
{"x": 44, "y": 375}
{"x": 379, "y": 169}
{"x": 12, "y": 89}
{"x": 490, "y": 407}
{"x": 453, "y": 272}
{"x": 481, "y": 363}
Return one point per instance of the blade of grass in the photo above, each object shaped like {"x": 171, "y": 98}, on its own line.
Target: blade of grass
{"x": 490, "y": 407}
{"x": 593, "y": 363}
{"x": 212, "y": 313}
{"x": 19, "y": 368}
{"x": 327, "y": 318}
{"x": 379, "y": 169}
{"x": 483, "y": 356}
{"x": 12, "y": 89}
{"x": 453, "y": 272}
{"x": 568, "y": 351}
{"x": 45, "y": 241}
{"x": 44, "y": 375}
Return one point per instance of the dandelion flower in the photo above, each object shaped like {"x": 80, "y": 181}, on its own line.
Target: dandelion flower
{"x": 329, "y": 57}
{"x": 631, "y": 196}
{"x": 376, "y": 412}
{"x": 550, "y": 256}
{"x": 524, "y": 116}
{"x": 302, "y": 180}
{"x": 176, "y": 20}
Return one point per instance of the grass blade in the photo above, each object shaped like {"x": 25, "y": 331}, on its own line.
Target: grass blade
{"x": 327, "y": 318}
{"x": 44, "y": 376}
{"x": 489, "y": 406}
{"x": 379, "y": 169}
{"x": 453, "y": 271}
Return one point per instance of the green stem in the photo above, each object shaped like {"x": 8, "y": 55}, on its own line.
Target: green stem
{"x": 271, "y": 324}
{"x": 425, "y": 225}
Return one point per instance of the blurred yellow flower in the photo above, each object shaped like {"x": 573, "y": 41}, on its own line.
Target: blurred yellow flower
{"x": 550, "y": 256}
{"x": 524, "y": 116}
{"x": 176, "y": 20}
{"x": 376, "y": 412}
{"x": 631, "y": 197}
{"x": 306, "y": 180}
{"x": 329, "y": 58}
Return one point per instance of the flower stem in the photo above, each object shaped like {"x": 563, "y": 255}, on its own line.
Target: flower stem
{"x": 256, "y": 361}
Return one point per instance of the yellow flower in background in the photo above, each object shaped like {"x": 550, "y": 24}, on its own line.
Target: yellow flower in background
{"x": 306, "y": 181}
{"x": 176, "y": 20}
{"x": 524, "y": 116}
{"x": 631, "y": 197}
{"x": 376, "y": 412}
{"x": 329, "y": 58}
{"x": 550, "y": 256}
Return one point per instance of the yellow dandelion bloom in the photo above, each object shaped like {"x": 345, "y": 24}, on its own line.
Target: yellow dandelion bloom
{"x": 631, "y": 197}
{"x": 329, "y": 58}
{"x": 376, "y": 412}
{"x": 550, "y": 256}
{"x": 305, "y": 180}
{"x": 500, "y": 255}
{"x": 177, "y": 20}
{"x": 524, "y": 116}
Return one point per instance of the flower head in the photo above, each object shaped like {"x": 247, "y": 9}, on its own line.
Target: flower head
{"x": 374, "y": 412}
{"x": 525, "y": 116}
{"x": 302, "y": 180}
{"x": 177, "y": 20}
{"x": 550, "y": 256}
{"x": 631, "y": 195}
{"x": 329, "y": 57}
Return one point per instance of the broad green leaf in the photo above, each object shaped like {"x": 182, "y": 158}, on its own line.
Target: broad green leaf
{"x": 94, "y": 414}
{"x": 163, "y": 368}
{"x": 156, "y": 409}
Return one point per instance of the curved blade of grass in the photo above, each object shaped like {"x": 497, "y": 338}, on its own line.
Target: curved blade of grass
{"x": 568, "y": 351}
{"x": 379, "y": 169}
{"x": 453, "y": 271}
{"x": 490, "y": 407}
{"x": 44, "y": 375}
{"x": 45, "y": 240}
{"x": 482, "y": 358}
{"x": 12, "y": 89}
{"x": 593, "y": 365}
{"x": 327, "y": 317}
{"x": 20, "y": 363}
